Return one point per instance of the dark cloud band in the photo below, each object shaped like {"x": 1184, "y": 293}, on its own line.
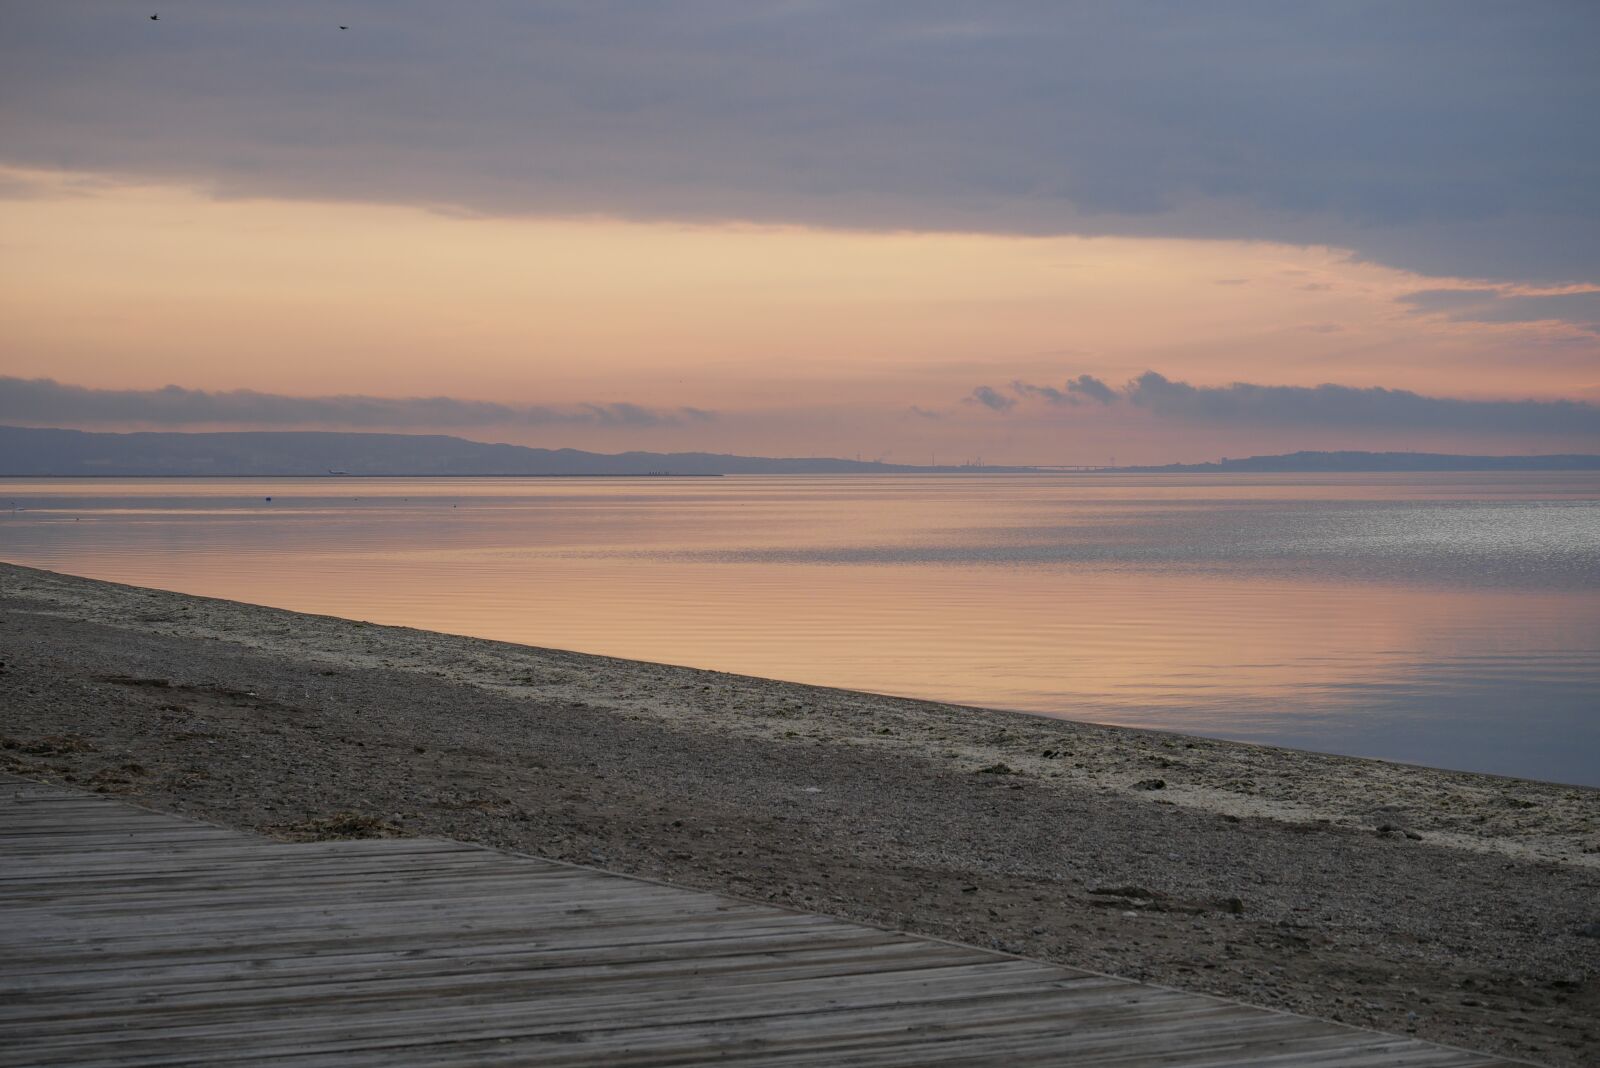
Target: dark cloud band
{"x": 1377, "y": 408}
{"x": 1495, "y": 306}
{"x": 1445, "y": 137}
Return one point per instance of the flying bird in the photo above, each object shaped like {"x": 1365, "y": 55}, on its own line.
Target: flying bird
{"x": 155, "y": 18}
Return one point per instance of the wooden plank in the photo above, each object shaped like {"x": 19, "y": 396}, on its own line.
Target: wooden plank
{"x": 511, "y": 980}
{"x": 393, "y": 888}
{"x": 250, "y": 854}
{"x": 759, "y": 962}
{"x": 609, "y": 1024}
{"x": 113, "y": 927}
{"x": 260, "y": 944}
{"x": 167, "y": 970}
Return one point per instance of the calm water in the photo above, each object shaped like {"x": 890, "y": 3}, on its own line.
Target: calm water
{"x": 1444, "y": 619}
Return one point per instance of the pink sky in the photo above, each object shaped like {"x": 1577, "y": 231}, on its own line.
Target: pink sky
{"x": 896, "y": 231}
{"x": 800, "y": 340}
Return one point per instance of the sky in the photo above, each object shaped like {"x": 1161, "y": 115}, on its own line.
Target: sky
{"x": 917, "y": 231}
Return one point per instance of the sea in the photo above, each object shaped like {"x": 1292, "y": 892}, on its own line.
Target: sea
{"x": 1450, "y": 620}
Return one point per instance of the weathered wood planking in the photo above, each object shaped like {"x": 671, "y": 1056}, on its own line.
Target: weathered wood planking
{"x": 128, "y": 937}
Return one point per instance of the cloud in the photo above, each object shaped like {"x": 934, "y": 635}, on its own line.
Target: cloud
{"x": 45, "y": 401}
{"x": 1435, "y": 136}
{"x": 990, "y": 398}
{"x": 1427, "y": 301}
{"x": 1049, "y": 393}
{"x": 1355, "y": 407}
{"x": 1084, "y": 386}
{"x": 1580, "y": 308}
{"x": 1092, "y": 387}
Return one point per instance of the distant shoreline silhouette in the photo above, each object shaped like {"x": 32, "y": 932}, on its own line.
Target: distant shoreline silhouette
{"x": 63, "y": 453}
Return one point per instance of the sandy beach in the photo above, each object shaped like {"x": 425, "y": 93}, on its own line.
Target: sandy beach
{"x": 1462, "y": 908}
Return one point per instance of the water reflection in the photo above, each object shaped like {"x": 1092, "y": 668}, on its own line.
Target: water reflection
{"x": 1451, "y": 620}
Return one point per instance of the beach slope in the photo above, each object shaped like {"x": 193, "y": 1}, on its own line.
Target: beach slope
{"x": 1461, "y": 908}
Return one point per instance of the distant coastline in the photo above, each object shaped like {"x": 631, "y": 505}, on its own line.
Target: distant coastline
{"x": 58, "y": 453}
{"x": 43, "y": 452}
{"x": 1357, "y": 462}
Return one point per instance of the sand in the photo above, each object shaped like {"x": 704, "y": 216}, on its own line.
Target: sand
{"x": 1461, "y": 908}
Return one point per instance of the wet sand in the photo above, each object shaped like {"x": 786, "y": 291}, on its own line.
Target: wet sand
{"x": 1462, "y": 908}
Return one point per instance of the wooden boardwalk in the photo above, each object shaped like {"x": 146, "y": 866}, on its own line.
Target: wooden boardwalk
{"x": 128, "y": 937}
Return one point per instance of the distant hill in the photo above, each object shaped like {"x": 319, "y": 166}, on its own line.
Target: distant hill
{"x": 1389, "y": 461}
{"x": 71, "y": 453}
{"x": 30, "y": 451}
